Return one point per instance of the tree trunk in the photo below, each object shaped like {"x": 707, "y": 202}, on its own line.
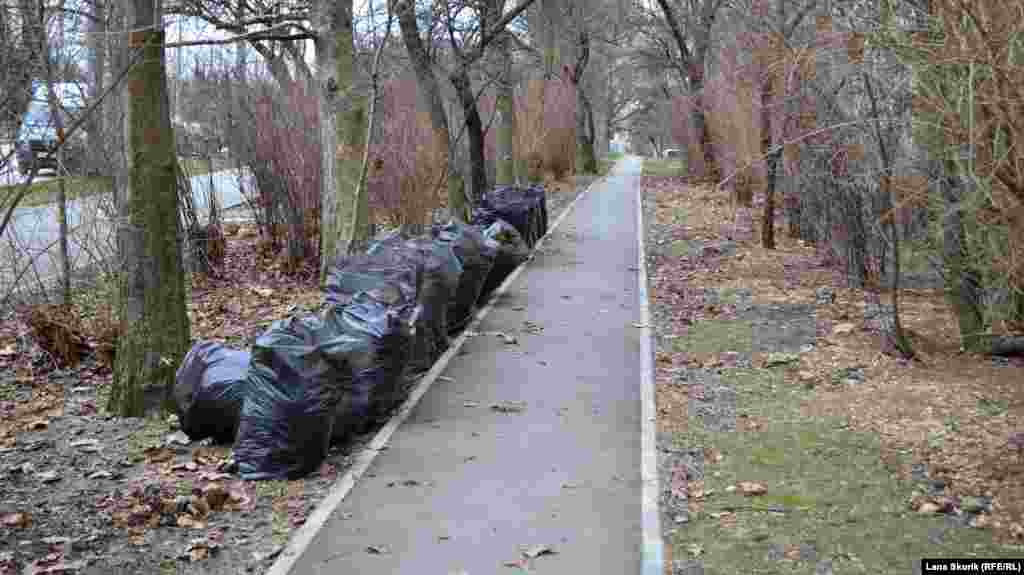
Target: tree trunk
{"x": 342, "y": 135}
{"x": 963, "y": 285}
{"x": 586, "y": 161}
{"x": 155, "y": 327}
{"x": 97, "y": 45}
{"x": 62, "y": 197}
{"x": 505, "y": 163}
{"x": 475, "y": 131}
{"x": 768, "y": 219}
{"x": 586, "y": 158}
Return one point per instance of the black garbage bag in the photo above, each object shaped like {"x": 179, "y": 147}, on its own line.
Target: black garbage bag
{"x": 209, "y": 387}
{"x": 295, "y": 381}
{"x": 517, "y": 206}
{"x": 374, "y": 337}
{"x": 477, "y": 257}
{"x": 511, "y": 251}
{"x": 440, "y": 275}
{"x": 353, "y": 274}
{"x": 538, "y": 192}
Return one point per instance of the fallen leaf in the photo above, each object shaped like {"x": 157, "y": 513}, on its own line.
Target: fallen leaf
{"x": 157, "y": 455}
{"x": 16, "y": 520}
{"x": 776, "y": 358}
{"x": 843, "y": 329}
{"x": 216, "y": 495}
{"x": 177, "y": 438}
{"x": 509, "y": 406}
{"x": 534, "y": 551}
{"x": 48, "y": 476}
{"x": 86, "y": 445}
{"x": 928, "y": 507}
{"x": 199, "y": 550}
{"x": 187, "y": 521}
{"x": 752, "y": 488}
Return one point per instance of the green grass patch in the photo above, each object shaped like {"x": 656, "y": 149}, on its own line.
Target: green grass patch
{"x": 717, "y": 336}
{"x": 663, "y": 167}
{"x": 46, "y": 192}
{"x": 827, "y": 490}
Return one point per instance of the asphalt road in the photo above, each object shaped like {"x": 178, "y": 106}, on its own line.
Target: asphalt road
{"x": 463, "y": 486}
{"x": 34, "y": 231}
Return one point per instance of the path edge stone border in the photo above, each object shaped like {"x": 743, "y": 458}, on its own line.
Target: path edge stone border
{"x": 652, "y": 553}
{"x": 304, "y": 536}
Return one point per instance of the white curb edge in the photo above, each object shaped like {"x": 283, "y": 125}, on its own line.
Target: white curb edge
{"x": 653, "y": 548}
{"x": 300, "y": 541}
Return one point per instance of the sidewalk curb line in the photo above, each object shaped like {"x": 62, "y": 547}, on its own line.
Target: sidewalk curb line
{"x": 304, "y": 536}
{"x": 652, "y": 553}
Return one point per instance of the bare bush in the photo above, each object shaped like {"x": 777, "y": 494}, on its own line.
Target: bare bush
{"x": 408, "y": 174}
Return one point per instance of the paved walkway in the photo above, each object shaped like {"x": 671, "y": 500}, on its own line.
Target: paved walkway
{"x": 463, "y": 486}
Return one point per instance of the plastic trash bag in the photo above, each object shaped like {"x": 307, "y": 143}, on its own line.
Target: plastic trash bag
{"x": 353, "y": 274}
{"x": 440, "y": 273}
{"x": 511, "y": 251}
{"x": 293, "y": 388}
{"x": 209, "y": 387}
{"x": 477, "y": 257}
{"x": 521, "y": 207}
{"x": 374, "y": 336}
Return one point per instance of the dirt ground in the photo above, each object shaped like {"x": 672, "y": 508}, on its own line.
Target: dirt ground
{"x": 789, "y": 442}
{"x": 86, "y": 493}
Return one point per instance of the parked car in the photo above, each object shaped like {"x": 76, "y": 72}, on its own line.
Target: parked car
{"x": 672, "y": 153}
{"x": 36, "y": 140}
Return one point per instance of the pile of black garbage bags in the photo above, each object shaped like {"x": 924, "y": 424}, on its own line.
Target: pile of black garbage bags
{"x": 387, "y": 314}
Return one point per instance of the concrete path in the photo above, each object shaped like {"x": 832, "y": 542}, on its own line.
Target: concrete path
{"x": 463, "y": 486}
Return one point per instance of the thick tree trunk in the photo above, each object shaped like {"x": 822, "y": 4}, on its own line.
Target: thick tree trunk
{"x": 155, "y": 327}
{"x": 586, "y": 158}
{"x": 505, "y": 163}
{"x": 342, "y": 135}
{"x": 586, "y": 161}
{"x": 963, "y": 285}
{"x": 475, "y": 131}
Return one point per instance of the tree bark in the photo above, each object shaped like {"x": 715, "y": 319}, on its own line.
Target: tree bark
{"x": 505, "y": 163}
{"x": 154, "y": 325}
{"x": 342, "y": 135}
{"x": 475, "y": 131}
{"x": 586, "y": 160}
